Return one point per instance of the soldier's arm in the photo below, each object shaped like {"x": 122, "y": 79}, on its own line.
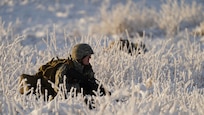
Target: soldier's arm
{"x": 103, "y": 91}
{"x": 87, "y": 84}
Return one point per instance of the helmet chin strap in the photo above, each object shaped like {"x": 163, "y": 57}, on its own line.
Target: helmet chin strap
{"x": 80, "y": 60}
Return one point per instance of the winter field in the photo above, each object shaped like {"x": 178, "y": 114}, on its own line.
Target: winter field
{"x": 168, "y": 79}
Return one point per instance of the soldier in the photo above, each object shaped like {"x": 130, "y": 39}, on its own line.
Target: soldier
{"x": 75, "y": 73}
{"x": 79, "y": 74}
{"x": 128, "y": 46}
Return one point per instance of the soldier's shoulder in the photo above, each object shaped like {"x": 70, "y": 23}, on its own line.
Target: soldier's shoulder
{"x": 88, "y": 67}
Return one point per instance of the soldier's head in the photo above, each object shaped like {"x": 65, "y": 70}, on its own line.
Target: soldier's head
{"x": 82, "y": 53}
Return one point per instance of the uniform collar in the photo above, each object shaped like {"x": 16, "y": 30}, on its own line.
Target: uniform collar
{"x": 78, "y": 66}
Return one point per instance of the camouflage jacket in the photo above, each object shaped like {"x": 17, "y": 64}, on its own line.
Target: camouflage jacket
{"x": 79, "y": 77}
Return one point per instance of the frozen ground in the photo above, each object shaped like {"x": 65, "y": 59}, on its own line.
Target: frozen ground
{"x": 168, "y": 79}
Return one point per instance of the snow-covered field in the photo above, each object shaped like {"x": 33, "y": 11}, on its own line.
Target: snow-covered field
{"x": 168, "y": 79}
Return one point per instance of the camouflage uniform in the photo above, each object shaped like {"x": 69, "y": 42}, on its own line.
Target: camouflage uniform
{"x": 78, "y": 76}
{"x": 129, "y": 47}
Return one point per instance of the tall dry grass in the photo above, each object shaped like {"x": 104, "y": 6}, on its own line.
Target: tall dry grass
{"x": 173, "y": 16}
{"x": 168, "y": 79}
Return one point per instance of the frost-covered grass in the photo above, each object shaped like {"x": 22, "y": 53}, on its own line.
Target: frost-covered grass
{"x": 173, "y": 16}
{"x": 199, "y": 30}
{"x": 168, "y": 79}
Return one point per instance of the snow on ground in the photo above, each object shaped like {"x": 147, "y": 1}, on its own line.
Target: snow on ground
{"x": 168, "y": 79}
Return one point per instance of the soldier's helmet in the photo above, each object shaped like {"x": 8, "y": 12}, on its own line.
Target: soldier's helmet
{"x": 81, "y": 50}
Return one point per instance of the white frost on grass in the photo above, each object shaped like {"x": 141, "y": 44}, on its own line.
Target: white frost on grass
{"x": 165, "y": 80}
{"x": 168, "y": 79}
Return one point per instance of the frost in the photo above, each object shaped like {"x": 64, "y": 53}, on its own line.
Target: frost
{"x": 167, "y": 79}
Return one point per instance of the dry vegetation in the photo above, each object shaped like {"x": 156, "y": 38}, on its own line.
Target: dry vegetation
{"x": 172, "y": 18}
{"x": 168, "y": 79}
